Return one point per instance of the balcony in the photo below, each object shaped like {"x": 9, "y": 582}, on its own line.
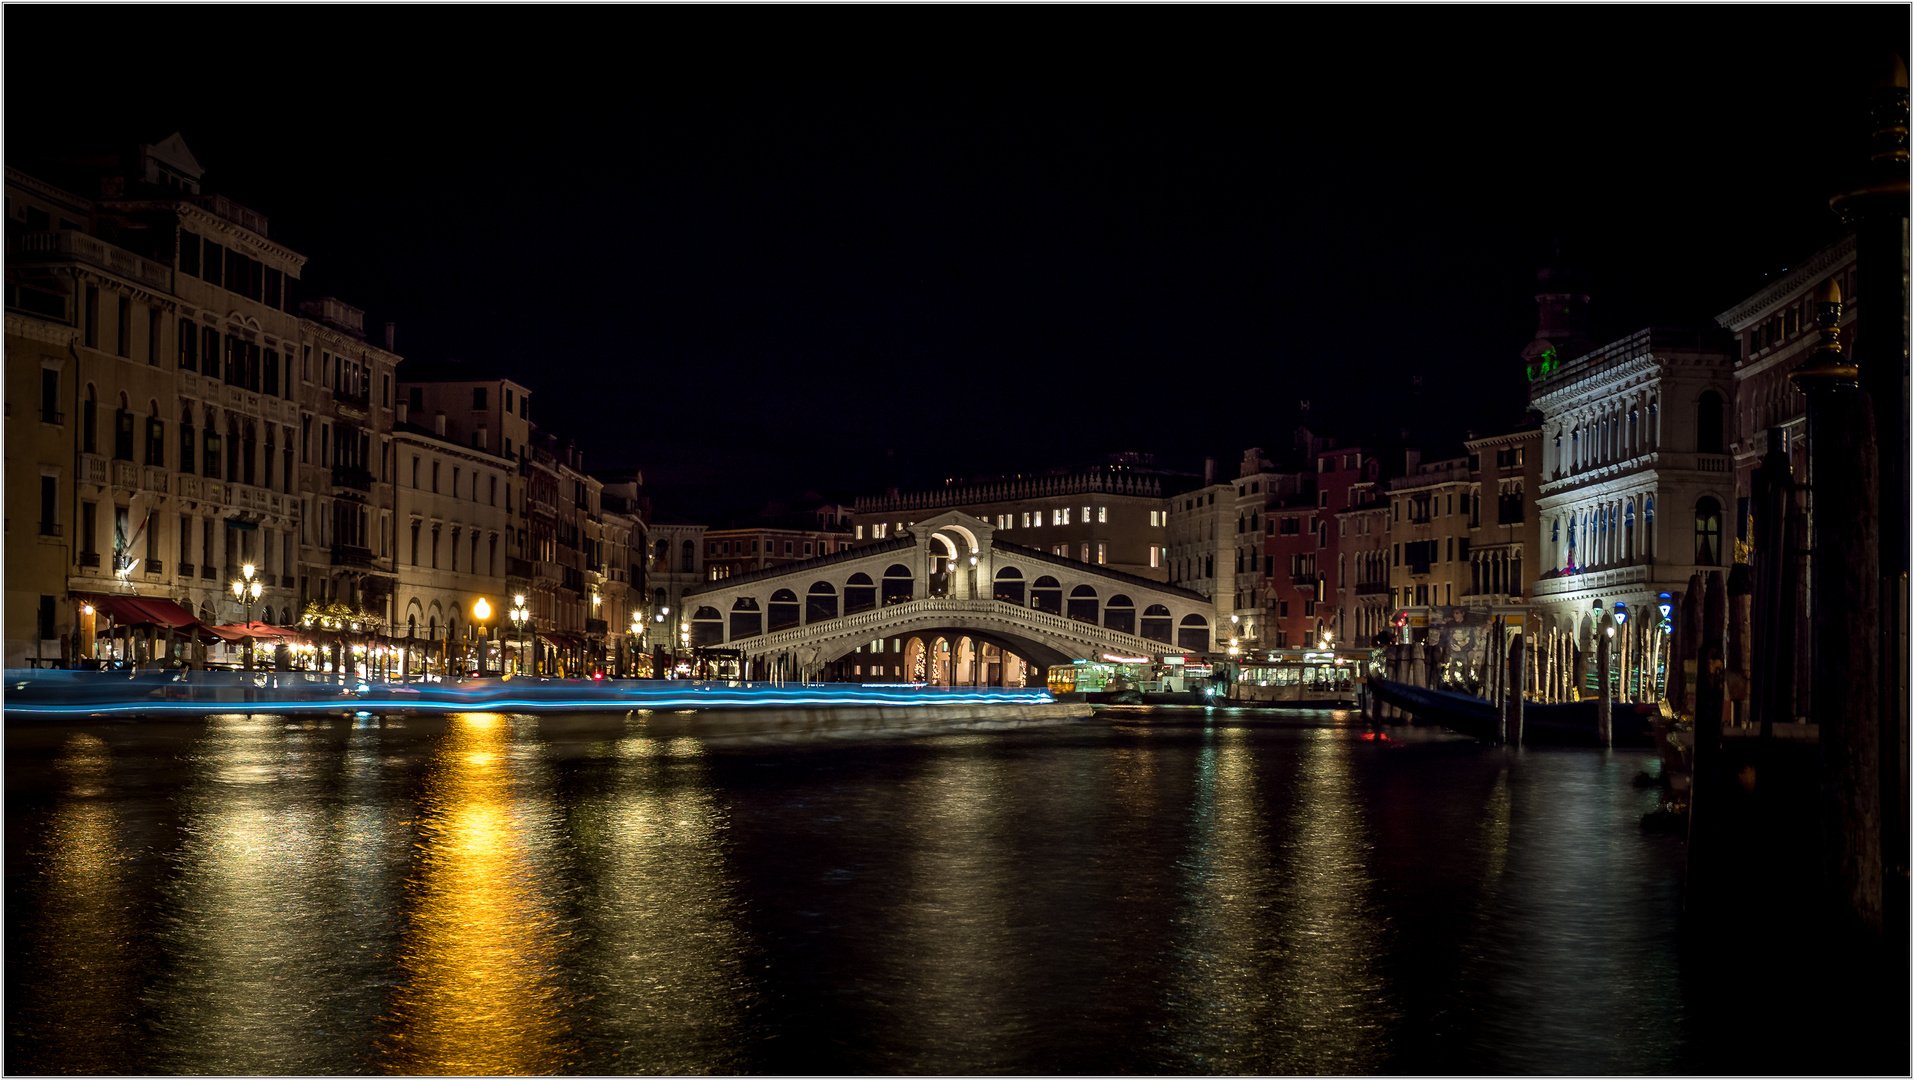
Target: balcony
{"x": 154, "y": 566}
{"x": 126, "y": 475}
{"x": 285, "y": 581}
{"x": 209, "y": 573}
{"x": 1373, "y": 588}
{"x": 71, "y": 244}
{"x": 518, "y": 568}
{"x": 92, "y": 470}
{"x": 89, "y": 558}
{"x": 351, "y": 555}
{"x": 186, "y": 570}
{"x": 49, "y": 528}
{"x": 348, "y": 476}
{"x": 49, "y": 416}
{"x": 595, "y": 626}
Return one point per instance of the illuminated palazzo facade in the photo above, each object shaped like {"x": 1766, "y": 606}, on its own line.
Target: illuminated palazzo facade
{"x": 1636, "y": 482}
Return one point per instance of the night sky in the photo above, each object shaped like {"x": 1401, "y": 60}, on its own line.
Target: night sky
{"x": 756, "y": 251}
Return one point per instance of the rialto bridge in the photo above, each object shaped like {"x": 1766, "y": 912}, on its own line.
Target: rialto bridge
{"x": 955, "y": 605}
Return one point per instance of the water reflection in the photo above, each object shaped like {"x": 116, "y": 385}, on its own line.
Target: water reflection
{"x": 479, "y": 990}
{"x": 254, "y": 928}
{"x": 1280, "y": 938}
{"x": 81, "y": 952}
{"x": 665, "y": 967}
{"x": 954, "y": 978}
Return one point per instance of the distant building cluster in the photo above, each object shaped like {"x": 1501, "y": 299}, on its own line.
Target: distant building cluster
{"x": 183, "y": 412}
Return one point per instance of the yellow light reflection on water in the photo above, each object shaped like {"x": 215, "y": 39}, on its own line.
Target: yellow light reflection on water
{"x": 480, "y": 994}
{"x": 80, "y": 941}
{"x": 1280, "y": 938}
{"x": 668, "y": 958}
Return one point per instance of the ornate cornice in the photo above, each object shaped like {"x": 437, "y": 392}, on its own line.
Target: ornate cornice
{"x": 51, "y": 333}
{"x": 1756, "y": 307}
{"x": 207, "y": 220}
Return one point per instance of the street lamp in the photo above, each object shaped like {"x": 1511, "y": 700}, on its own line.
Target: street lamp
{"x": 482, "y": 611}
{"x": 520, "y": 617}
{"x": 246, "y": 590}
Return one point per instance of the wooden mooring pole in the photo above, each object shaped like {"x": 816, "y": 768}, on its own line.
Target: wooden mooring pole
{"x": 1843, "y": 519}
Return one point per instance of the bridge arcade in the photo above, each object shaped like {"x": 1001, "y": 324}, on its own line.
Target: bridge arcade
{"x": 975, "y": 609}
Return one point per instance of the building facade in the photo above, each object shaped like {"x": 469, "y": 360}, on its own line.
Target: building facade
{"x": 1109, "y": 514}
{"x": 1636, "y": 482}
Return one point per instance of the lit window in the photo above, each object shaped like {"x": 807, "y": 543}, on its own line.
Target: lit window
{"x": 1086, "y": 515}
{"x": 1154, "y": 552}
{"x": 859, "y": 532}
{"x": 1066, "y": 515}
{"x": 1085, "y": 557}
{"x": 1103, "y": 514}
{"x": 1103, "y": 553}
{"x": 1026, "y": 519}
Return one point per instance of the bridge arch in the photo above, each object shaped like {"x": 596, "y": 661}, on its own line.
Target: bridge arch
{"x": 1014, "y": 599}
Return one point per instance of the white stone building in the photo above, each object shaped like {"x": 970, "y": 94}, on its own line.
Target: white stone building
{"x": 1636, "y": 483}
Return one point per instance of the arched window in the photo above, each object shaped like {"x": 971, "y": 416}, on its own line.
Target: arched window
{"x": 1009, "y": 585}
{"x": 1707, "y": 531}
{"x": 1046, "y": 594}
{"x": 782, "y": 612}
{"x": 687, "y": 557}
{"x": 1708, "y": 424}
{"x": 1156, "y": 623}
{"x": 898, "y": 584}
{"x": 860, "y": 593}
{"x": 707, "y": 627}
{"x": 1120, "y": 614}
{"x": 821, "y": 602}
{"x": 1193, "y": 633}
{"x": 187, "y": 464}
{"x": 1083, "y": 604}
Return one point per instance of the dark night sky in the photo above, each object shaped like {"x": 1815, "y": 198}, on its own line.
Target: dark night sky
{"x": 753, "y": 251}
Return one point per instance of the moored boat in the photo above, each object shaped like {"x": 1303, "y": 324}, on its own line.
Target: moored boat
{"x": 1543, "y": 723}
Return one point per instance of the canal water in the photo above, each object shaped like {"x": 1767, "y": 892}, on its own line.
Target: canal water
{"x": 1148, "y": 891}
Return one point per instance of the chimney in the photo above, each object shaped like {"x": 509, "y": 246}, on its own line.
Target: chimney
{"x": 1209, "y": 471}
{"x": 438, "y": 424}
{"x": 402, "y": 404}
{"x": 390, "y": 330}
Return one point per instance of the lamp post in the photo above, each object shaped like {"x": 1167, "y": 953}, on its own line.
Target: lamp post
{"x": 246, "y": 590}
{"x": 519, "y": 617}
{"x": 482, "y": 612}
{"x": 637, "y": 638}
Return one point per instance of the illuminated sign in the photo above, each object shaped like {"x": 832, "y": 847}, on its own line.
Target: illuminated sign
{"x": 1126, "y": 659}
{"x": 1174, "y": 661}
{"x": 1196, "y": 671}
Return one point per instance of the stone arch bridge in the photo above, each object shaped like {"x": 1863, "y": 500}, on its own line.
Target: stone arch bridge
{"x": 950, "y": 578}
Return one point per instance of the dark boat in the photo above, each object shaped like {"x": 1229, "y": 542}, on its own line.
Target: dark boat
{"x": 1557, "y": 724}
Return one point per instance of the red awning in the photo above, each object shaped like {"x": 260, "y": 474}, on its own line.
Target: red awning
{"x": 140, "y": 610}
{"x": 562, "y": 641}
{"x": 256, "y": 630}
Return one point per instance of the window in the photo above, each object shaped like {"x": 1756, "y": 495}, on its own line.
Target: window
{"x": 1707, "y": 532}
{"x": 857, "y": 532}
{"x": 435, "y": 477}
{"x": 455, "y": 481}
{"x": 155, "y": 441}
{"x": 123, "y": 329}
{"x": 1085, "y": 557}
{"x": 494, "y": 491}
{"x": 1103, "y": 553}
{"x": 478, "y": 397}
{"x": 1026, "y": 519}
{"x": 508, "y": 401}
{"x": 1708, "y": 424}
{"x": 92, "y": 317}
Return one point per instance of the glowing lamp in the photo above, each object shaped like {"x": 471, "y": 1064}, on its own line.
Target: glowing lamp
{"x": 481, "y": 610}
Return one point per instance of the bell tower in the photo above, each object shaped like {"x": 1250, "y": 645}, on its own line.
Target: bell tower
{"x": 1561, "y": 332}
